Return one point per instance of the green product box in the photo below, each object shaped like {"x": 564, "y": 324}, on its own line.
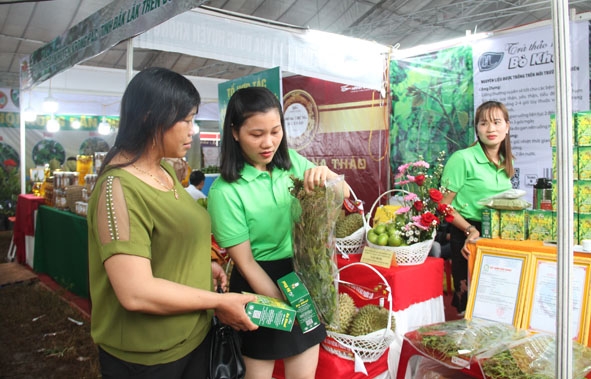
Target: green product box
{"x": 490, "y": 223}
{"x": 584, "y": 227}
{"x": 298, "y": 297}
{"x": 575, "y": 164}
{"x": 583, "y": 162}
{"x": 513, "y": 224}
{"x": 575, "y": 228}
{"x": 271, "y": 313}
{"x": 582, "y": 195}
{"x": 540, "y": 224}
{"x": 583, "y": 128}
{"x": 553, "y": 130}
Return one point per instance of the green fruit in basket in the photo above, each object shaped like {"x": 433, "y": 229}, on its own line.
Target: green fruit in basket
{"x": 383, "y": 239}
{"x": 380, "y": 228}
{"x": 391, "y": 229}
{"x": 369, "y": 319}
{"x": 395, "y": 240}
{"x": 372, "y": 237}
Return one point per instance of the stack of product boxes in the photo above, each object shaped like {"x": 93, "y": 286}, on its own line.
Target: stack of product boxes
{"x": 581, "y": 174}
{"x": 540, "y": 224}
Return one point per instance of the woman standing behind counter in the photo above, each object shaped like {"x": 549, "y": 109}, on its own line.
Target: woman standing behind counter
{"x": 149, "y": 243}
{"x": 250, "y": 206}
{"x": 472, "y": 174}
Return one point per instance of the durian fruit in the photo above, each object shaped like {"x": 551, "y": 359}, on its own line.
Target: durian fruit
{"x": 369, "y": 319}
{"x": 345, "y": 226}
{"x": 347, "y": 311}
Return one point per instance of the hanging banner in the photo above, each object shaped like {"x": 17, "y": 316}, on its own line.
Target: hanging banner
{"x": 432, "y": 105}
{"x": 517, "y": 69}
{"x": 116, "y": 22}
{"x": 342, "y": 127}
{"x": 270, "y": 79}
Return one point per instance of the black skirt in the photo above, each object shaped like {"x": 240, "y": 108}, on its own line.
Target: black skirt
{"x": 267, "y": 343}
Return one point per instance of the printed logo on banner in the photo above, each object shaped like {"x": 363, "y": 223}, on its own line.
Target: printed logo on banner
{"x": 3, "y": 100}
{"x": 490, "y": 61}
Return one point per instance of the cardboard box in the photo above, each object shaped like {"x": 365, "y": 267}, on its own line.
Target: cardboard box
{"x": 490, "y": 223}
{"x": 513, "y": 225}
{"x": 540, "y": 224}
{"x": 298, "y": 297}
{"x": 271, "y": 313}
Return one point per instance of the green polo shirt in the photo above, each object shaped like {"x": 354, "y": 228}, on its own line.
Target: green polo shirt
{"x": 473, "y": 177}
{"x": 257, "y": 207}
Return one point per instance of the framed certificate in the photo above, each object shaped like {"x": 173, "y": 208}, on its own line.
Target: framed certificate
{"x": 540, "y": 310}
{"x": 497, "y": 289}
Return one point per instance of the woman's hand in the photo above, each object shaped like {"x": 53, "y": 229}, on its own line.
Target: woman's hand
{"x": 219, "y": 276}
{"x": 317, "y": 177}
{"x": 231, "y": 311}
{"x": 471, "y": 238}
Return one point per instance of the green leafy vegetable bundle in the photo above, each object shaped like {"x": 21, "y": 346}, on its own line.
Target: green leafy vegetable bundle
{"x": 314, "y": 243}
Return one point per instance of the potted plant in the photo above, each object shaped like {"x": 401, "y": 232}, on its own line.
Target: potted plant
{"x": 9, "y": 191}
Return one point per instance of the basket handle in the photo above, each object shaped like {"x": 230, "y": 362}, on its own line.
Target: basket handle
{"x": 385, "y": 282}
{"x": 368, "y": 215}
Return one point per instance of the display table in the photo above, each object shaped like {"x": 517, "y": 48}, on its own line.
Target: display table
{"x": 61, "y": 248}
{"x": 24, "y": 227}
{"x": 417, "y": 300}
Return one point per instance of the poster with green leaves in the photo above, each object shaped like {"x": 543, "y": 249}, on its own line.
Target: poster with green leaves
{"x": 432, "y": 105}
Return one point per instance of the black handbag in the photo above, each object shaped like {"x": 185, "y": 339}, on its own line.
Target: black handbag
{"x": 226, "y": 359}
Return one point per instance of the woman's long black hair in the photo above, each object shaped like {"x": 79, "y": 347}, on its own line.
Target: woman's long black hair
{"x": 243, "y": 104}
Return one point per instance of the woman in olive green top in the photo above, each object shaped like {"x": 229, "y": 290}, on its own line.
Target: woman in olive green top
{"x": 150, "y": 270}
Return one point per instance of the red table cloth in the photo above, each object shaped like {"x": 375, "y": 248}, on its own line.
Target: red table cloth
{"x": 26, "y": 205}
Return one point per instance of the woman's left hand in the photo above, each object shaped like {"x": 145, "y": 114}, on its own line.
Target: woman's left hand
{"x": 219, "y": 276}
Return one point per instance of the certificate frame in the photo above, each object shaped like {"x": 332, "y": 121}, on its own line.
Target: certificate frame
{"x": 490, "y": 264}
{"x": 538, "y": 315}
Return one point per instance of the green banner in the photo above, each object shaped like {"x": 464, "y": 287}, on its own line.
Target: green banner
{"x": 116, "y": 22}
{"x": 270, "y": 79}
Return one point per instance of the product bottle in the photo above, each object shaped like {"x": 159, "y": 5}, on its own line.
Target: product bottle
{"x": 543, "y": 194}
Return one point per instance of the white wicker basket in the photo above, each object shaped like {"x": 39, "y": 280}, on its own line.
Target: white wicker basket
{"x": 353, "y": 243}
{"x": 369, "y": 347}
{"x": 414, "y": 254}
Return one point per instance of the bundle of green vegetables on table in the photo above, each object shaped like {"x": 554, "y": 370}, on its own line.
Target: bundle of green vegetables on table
{"x": 531, "y": 357}
{"x": 314, "y": 243}
{"x": 455, "y": 343}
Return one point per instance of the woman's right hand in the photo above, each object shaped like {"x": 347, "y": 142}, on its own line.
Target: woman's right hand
{"x": 231, "y": 311}
{"x": 471, "y": 238}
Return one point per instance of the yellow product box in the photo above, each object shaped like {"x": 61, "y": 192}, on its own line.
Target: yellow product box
{"x": 582, "y": 196}
{"x": 385, "y": 214}
{"x": 583, "y": 162}
{"x": 490, "y": 223}
{"x": 298, "y": 297}
{"x": 513, "y": 224}
{"x": 575, "y": 228}
{"x": 575, "y": 164}
{"x": 271, "y": 313}
{"x": 554, "y": 226}
{"x": 583, "y": 128}
{"x": 584, "y": 227}
{"x": 540, "y": 223}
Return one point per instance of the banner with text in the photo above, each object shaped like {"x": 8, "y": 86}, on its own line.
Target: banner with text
{"x": 116, "y": 22}
{"x": 517, "y": 69}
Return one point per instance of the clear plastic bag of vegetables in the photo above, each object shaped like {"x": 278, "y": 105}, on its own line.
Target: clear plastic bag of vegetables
{"x": 455, "y": 343}
{"x": 531, "y": 357}
{"x": 315, "y": 214}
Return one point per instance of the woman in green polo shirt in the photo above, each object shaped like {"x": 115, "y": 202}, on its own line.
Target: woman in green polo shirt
{"x": 250, "y": 207}
{"x": 150, "y": 270}
{"x": 477, "y": 172}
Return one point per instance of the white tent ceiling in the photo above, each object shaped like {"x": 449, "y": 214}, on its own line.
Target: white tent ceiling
{"x": 27, "y": 25}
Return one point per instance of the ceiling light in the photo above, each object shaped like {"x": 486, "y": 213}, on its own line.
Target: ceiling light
{"x": 104, "y": 127}
{"x": 30, "y": 114}
{"x": 75, "y": 124}
{"x": 52, "y": 125}
{"x": 50, "y": 105}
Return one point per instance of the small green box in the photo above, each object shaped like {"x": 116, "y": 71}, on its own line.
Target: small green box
{"x": 582, "y": 124}
{"x": 490, "y": 223}
{"x": 271, "y": 312}
{"x": 513, "y": 224}
{"x": 582, "y": 195}
{"x": 583, "y": 162}
{"x": 298, "y": 297}
{"x": 540, "y": 224}
{"x": 584, "y": 227}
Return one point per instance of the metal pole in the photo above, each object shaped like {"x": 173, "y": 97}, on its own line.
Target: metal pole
{"x": 22, "y": 154}
{"x": 564, "y": 158}
{"x": 129, "y": 68}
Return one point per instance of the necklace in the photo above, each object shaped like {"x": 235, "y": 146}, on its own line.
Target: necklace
{"x": 173, "y": 189}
